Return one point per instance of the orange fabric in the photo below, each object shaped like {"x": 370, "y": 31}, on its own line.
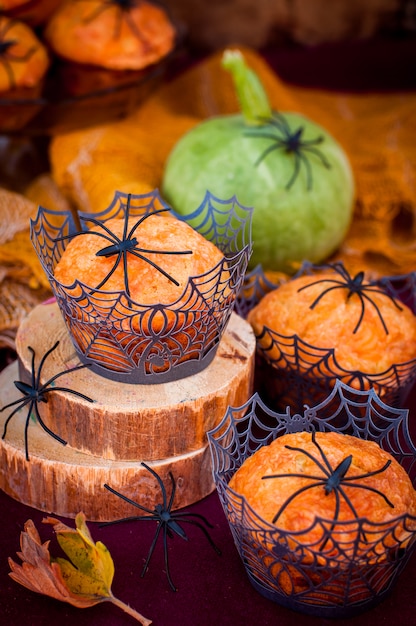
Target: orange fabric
{"x": 376, "y": 130}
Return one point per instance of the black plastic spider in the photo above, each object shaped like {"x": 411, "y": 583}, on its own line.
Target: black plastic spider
{"x": 334, "y": 480}
{"x": 123, "y": 8}
{"x": 166, "y": 520}
{"x": 354, "y": 285}
{"x": 35, "y": 392}
{"x": 7, "y": 56}
{"x": 128, "y": 244}
{"x": 284, "y": 138}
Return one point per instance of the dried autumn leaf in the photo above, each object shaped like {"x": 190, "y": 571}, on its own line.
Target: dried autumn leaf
{"x": 90, "y": 570}
{"x": 83, "y": 581}
{"x": 37, "y": 573}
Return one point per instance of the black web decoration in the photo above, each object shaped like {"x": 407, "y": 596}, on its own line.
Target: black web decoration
{"x": 7, "y": 53}
{"x": 120, "y": 248}
{"x": 226, "y": 223}
{"x": 292, "y": 142}
{"x": 168, "y": 522}
{"x": 292, "y": 372}
{"x": 35, "y": 392}
{"x": 355, "y": 286}
{"x": 128, "y": 341}
{"x": 256, "y": 285}
{"x": 334, "y": 568}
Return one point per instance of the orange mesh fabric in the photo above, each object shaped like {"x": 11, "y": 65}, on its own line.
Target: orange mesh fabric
{"x": 376, "y": 130}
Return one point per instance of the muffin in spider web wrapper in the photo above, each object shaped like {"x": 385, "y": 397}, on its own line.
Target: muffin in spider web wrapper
{"x": 116, "y": 35}
{"x": 325, "y": 324}
{"x": 24, "y": 59}
{"x": 323, "y": 521}
{"x": 142, "y": 293}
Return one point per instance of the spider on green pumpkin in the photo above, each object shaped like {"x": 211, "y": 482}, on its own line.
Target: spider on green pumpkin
{"x": 277, "y": 129}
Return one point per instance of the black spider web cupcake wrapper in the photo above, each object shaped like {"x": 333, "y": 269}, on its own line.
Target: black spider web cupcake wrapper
{"x": 330, "y": 574}
{"x": 296, "y": 373}
{"x": 293, "y": 372}
{"x": 130, "y": 342}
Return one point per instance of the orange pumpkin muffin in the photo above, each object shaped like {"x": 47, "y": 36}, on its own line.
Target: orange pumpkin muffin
{"x": 297, "y": 459}
{"x": 296, "y": 479}
{"x": 163, "y": 312}
{"x": 369, "y": 331}
{"x": 180, "y": 253}
{"x": 23, "y": 57}
{"x": 115, "y": 34}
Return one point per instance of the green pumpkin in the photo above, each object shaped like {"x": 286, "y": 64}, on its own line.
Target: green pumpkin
{"x": 291, "y": 171}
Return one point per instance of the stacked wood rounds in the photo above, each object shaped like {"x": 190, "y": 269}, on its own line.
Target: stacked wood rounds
{"x": 163, "y": 425}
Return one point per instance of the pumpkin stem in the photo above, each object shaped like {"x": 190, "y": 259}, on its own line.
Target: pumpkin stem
{"x": 254, "y": 103}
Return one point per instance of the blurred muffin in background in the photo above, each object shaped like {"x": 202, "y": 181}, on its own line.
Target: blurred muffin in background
{"x": 115, "y": 35}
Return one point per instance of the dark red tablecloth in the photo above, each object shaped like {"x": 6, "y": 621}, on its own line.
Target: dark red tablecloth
{"x": 212, "y": 589}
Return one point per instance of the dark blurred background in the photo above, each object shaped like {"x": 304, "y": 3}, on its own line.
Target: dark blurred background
{"x": 262, "y": 23}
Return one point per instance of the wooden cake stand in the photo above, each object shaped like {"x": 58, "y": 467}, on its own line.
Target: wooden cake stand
{"x": 163, "y": 425}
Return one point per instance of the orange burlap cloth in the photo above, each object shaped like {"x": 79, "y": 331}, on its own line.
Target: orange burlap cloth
{"x": 22, "y": 285}
{"x": 377, "y": 130}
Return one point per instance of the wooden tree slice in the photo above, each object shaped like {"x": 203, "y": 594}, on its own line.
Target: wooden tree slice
{"x": 127, "y": 421}
{"x": 58, "y": 479}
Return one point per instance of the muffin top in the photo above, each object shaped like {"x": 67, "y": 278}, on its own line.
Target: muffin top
{"x": 303, "y": 465}
{"x": 168, "y": 252}
{"x": 25, "y": 57}
{"x": 116, "y": 35}
{"x": 369, "y": 332}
